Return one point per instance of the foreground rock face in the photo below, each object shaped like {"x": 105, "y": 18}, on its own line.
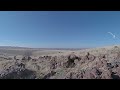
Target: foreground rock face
{"x": 19, "y": 74}
{"x": 17, "y": 71}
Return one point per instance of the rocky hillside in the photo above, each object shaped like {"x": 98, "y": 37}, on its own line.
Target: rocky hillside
{"x": 98, "y": 63}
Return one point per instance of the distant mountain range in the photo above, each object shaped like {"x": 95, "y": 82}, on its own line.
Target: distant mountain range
{"x": 16, "y": 47}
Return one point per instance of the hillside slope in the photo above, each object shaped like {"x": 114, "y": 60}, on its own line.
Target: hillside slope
{"x": 97, "y": 63}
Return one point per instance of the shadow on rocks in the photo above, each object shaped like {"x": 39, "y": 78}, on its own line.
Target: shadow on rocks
{"x": 114, "y": 76}
{"x": 52, "y": 73}
{"x": 71, "y": 61}
{"x": 23, "y": 74}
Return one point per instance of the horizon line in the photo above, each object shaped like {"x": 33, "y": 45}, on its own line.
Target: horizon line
{"x": 45, "y": 47}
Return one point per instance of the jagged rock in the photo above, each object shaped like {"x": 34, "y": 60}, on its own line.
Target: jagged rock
{"x": 109, "y": 65}
{"x": 75, "y": 75}
{"x": 49, "y": 75}
{"x": 89, "y": 57}
{"x": 26, "y": 58}
{"x": 106, "y": 75}
{"x": 94, "y": 73}
{"x": 46, "y": 57}
{"x": 71, "y": 58}
{"x": 79, "y": 75}
{"x": 53, "y": 64}
{"x": 101, "y": 63}
{"x": 102, "y": 56}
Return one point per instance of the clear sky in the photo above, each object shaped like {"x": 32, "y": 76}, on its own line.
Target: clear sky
{"x": 59, "y": 29}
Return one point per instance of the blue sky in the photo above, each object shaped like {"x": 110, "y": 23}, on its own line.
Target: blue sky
{"x": 59, "y": 29}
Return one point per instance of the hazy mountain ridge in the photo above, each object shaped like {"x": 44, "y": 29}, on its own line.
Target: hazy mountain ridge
{"x": 13, "y": 47}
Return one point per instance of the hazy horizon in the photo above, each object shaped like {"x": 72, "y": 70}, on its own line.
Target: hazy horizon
{"x": 44, "y": 47}
{"x": 59, "y": 29}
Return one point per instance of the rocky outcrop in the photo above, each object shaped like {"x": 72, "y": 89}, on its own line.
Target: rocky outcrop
{"x": 17, "y": 71}
{"x": 26, "y": 58}
{"x": 71, "y": 58}
{"x": 53, "y": 64}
